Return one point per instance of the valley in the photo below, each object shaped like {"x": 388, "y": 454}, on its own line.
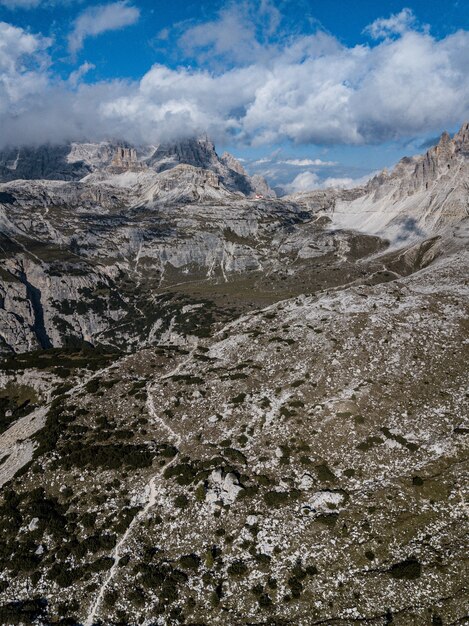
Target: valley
{"x": 222, "y": 407}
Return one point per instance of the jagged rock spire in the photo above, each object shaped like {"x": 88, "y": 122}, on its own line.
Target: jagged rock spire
{"x": 461, "y": 139}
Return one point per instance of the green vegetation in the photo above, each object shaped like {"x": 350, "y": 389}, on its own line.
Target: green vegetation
{"x": 16, "y": 401}
{"x": 410, "y": 569}
{"x": 237, "y": 568}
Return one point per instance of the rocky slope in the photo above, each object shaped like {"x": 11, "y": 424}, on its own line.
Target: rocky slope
{"x": 222, "y": 409}
{"x": 421, "y": 196}
{"x": 304, "y": 465}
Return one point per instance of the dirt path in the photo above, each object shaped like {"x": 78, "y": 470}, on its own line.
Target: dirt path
{"x": 151, "y": 487}
{"x": 174, "y": 437}
{"x": 152, "y": 493}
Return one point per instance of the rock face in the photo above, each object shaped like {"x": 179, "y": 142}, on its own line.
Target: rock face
{"x": 422, "y": 195}
{"x": 258, "y": 184}
{"x": 82, "y": 258}
{"x": 47, "y": 162}
{"x": 94, "y": 260}
{"x": 110, "y": 249}
{"x": 125, "y": 159}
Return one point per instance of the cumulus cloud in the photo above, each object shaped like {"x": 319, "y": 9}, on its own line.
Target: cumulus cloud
{"x": 77, "y": 75}
{"x": 310, "y": 181}
{"x": 23, "y": 68}
{"x": 306, "y": 181}
{"x": 96, "y": 20}
{"x": 243, "y": 32}
{"x": 309, "y": 89}
{"x": 396, "y": 24}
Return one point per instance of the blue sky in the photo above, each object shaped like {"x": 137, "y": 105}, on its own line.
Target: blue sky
{"x": 307, "y": 90}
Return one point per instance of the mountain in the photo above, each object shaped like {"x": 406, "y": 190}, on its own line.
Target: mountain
{"x": 219, "y": 408}
{"x": 421, "y": 196}
{"x": 75, "y": 161}
{"x": 96, "y": 259}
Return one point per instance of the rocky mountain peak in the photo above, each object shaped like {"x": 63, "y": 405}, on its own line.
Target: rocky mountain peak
{"x": 232, "y": 162}
{"x": 125, "y": 159}
{"x": 198, "y": 152}
{"x": 77, "y": 160}
{"x": 461, "y": 140}
{"x": 445, "y": 138}
{"x": 420, "y": 195}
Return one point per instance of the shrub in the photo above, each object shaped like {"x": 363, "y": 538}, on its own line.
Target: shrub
{"x": 189, "y": 561}
{"x": 237, "y": 568}
{"x": 295, "y": 586}
{"x": 92, "y": 385}
{"x": 324, "y": 473}
{"x": 410, "y": 569}
{"x": 183, "y": 472}
{"x": 181, "y": 502}
{"x": 328, "y": 519}
{"x": 111, "y": 456}
{"x": 23, "y": 612}
{"x": 238, "y": 399}
{"x": 276, "y": 498}
{"x": 235, "y": 455}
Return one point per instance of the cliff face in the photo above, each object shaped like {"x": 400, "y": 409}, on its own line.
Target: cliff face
{"x": 82, "y": 257}
{"x": 48, "y": 162}
{"x": 125, "y": 158}
{"x": 103, "y": 255}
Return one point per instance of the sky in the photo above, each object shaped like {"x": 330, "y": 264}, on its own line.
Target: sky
{"x": 309, "y": 93}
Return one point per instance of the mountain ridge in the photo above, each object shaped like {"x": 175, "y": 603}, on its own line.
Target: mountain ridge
{"x": 75, "y": 161}
{"x": 422, "y": 195}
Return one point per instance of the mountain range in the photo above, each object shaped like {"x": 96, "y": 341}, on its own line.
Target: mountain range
{"x": 220, "y": 407}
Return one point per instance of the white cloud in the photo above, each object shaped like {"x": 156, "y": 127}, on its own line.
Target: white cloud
{"x": 344, "y": 182}
{"x": 76, "y": 76}
{"x": 310, "y": 89}
{"x": 23, "y": 68}
{"x": 101, "y": 18}
{"x": 306, "y": 181}
{"x": 308, "y": 162}
{"x": 310, "y": 181}
{"x": 241, "y": 33}
{"x": 396, "y": 24}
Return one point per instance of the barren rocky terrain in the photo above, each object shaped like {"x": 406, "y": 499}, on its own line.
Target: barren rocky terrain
{"x": 219, "y": 407}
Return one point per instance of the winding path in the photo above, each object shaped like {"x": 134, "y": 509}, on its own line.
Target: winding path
{"x": 89, "y": 621}
{"x": 152, "y": 493}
